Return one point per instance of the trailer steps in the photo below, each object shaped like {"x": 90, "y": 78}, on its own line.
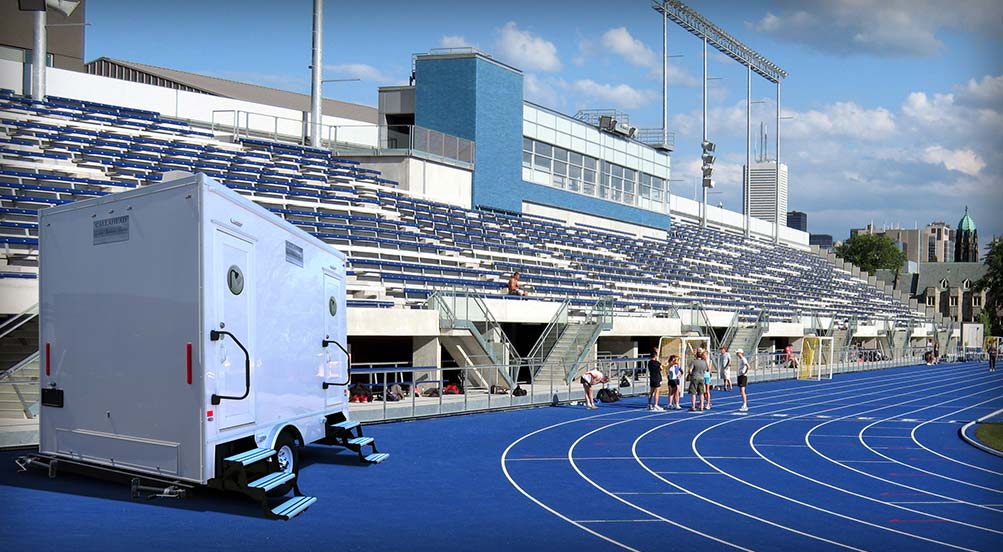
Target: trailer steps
{"x": 360, "y": 441}
{"x": 292, "y": 507}
{"x": 271, "y": 481}
{"x": 377, "y": 457}
{"x": 348, "y": 434}
{"x": 249, "y": 457}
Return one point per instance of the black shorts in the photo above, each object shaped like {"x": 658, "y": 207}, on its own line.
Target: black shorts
{"x": 743, "y": 381}
{"x": 673, "y": 384}
{"x": 655, "y": 382}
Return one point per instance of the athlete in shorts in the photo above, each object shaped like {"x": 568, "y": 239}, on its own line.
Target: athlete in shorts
{"x": 695, "y": 376}
{"x": 654, "y": 381}
{"x": 589, "y": 379}
{"x": 674, "y": 371}
{"x": 725, "y": 368}
{"x": 743, "y": 378}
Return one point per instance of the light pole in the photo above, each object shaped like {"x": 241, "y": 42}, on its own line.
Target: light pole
{"x": 316, "y": 73}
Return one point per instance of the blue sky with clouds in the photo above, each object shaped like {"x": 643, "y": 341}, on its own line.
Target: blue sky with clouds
{"x": 896, "y": 106}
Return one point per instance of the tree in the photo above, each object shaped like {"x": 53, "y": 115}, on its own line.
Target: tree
{"x": 871, "y": 252}
{"x": 992, "y": 283}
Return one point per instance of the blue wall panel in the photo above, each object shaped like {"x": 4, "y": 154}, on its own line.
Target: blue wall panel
{"x": 480, "y": 100}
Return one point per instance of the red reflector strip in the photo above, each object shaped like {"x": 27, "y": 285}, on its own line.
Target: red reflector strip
{"x": 189, "y": 353}
{"x": 47, "y": 372}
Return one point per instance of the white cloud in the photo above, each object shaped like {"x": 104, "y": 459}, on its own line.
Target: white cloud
{"x": 455, "y": 41}
{"x": 987, "y": 92}
{"x": 963, "y": 160}
{"x": 362, "y": 71}
{"x": 543, "y": 91}
{"x": 632, "y": 50}
{"x": 619, "y": 95}
{"x": 878, "y": 27}
{"x": 527, "y": 51}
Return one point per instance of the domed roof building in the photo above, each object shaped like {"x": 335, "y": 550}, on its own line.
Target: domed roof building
{"x": 966, "y": 245}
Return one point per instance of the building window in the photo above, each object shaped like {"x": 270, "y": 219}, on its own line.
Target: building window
{"x": 976, "y": 300}
{"x": 954, "y": 301}
{"x": 931, "y": 300}
{"x": 580, "y": 173}
{"x": 944, "y": 284}
{"x": 966, "y": 284}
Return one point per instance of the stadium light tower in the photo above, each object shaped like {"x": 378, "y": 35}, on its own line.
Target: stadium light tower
{"x": 39, "y": 49}
{"x": 316, "y": 72}
{"x": 702, "y": 28}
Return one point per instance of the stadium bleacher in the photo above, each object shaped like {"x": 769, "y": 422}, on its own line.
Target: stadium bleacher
{"x": 402, "y": 247}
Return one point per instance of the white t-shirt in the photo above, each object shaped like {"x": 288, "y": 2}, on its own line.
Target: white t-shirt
{"x": 743, "y": 366}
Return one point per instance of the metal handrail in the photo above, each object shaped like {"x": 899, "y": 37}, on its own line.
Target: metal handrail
{"x": 552, "y": 326}
{"x": 10, "y": 372}
{"x": 18, "y": 320}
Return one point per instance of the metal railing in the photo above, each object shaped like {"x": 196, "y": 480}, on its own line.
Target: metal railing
{"x": 29, "y": 407}
{"x": 420, "y": 402}
{"x": 465, "y": 309}
{"x": 409, "y": 140}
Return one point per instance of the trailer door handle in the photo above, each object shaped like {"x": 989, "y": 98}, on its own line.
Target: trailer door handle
{"x": 324, "y": 343}
{"x": 215, "y": 335}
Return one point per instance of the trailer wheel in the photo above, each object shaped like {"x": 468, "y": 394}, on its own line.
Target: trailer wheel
{"x": 287, "y": 456}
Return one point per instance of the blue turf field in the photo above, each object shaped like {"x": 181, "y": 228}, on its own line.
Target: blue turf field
{"x": 868, "y": 461}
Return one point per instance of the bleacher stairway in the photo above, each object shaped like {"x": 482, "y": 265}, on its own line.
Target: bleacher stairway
{"x": 19, "y": 391}
{"x": 743, "y": 339}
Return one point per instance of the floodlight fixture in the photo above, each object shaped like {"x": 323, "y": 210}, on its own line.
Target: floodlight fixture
{"x": 708, "y": 146}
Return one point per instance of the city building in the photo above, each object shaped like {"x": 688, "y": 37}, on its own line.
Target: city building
{"x": 940, "y": 242}
{"x": 65, "y": 36}
{"x": 797, "y": 220}
{"x": 821, "y": 240}
{"x": 763, "y": 191}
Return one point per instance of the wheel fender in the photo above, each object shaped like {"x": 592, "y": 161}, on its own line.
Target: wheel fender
{"x": 273, "y": 436}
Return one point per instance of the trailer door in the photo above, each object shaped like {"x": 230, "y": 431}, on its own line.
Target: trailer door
{"x": 235, "y": 281}
{"x": 336, "y": 361}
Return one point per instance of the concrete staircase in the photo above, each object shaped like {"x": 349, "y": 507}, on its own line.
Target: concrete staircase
{"x": 19, "y": 393}
{"x": 564, "y": 353}
{"x": 743, "y": 339}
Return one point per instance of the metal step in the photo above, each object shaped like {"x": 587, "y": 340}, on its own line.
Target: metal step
{"x": 249, "y": 457}
{"x": 272, "y": 481}
{"x": 377, "y": 457}
{"x": 347, "y": 425}
{"x": 360, "y": 441}
{"x": 293, "y": 507}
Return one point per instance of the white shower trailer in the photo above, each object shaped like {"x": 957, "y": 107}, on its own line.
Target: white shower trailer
{"x": 181, "y": 325}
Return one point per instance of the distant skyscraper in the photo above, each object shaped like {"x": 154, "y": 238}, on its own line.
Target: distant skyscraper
{"x": 966, "y": 248}
{"x": 940, "y": 242}
{"x": 822, "y": 240}
{"x": 763, "y": 189}
{"x": 797, "y": 220}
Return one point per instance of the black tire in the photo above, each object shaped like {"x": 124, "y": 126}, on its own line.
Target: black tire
{"x": 287, "y": 458}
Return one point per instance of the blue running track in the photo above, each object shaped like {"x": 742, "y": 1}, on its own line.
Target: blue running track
{"x": 866, "y": 461}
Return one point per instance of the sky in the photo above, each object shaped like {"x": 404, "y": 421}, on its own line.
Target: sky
{"x": 892, "y": 110}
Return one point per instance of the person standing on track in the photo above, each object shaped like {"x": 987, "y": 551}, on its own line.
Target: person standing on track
{"x": 993, "y": 351}
{"x": 708, "y": 376}
{"x": 725, "y": 369}
{"x": 695, "y": 376}
{"x": 743, "y": 378}
{"x": 673, "y": 373}
{"x": 654, "y": 381}
{"x": 588, "y": 380}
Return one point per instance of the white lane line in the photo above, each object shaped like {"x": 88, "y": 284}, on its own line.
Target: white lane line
{"x": 632, "y": 493}
{"x": 850, "y": 518}
{"x": 875, "y": 391}
{"x": 955, "y": 460}
{"x": 616, "y": 520}
{"x": 869, "y": 436}
{"x": 687, "y": 473}
{"x": 807, "y": 440}
{"x": 574, "y": 466}
{"x": 544, "y": 506}
{"x": 912, "y": 436}
{"x": 791, "y": 396}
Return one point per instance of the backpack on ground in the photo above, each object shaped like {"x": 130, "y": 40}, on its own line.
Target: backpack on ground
{"x": 499, "y": 390}
{"x": 395, "y": 393}
{"x": 624, "y": 382}
{"x": 431, "y": 392}
{"x": 518, "y": 391}
{"x": 608, "y": 395}
{"x": 451, "y": 389}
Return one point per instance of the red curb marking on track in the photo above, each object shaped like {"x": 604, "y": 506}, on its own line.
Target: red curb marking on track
{"x": 917, "y": 520}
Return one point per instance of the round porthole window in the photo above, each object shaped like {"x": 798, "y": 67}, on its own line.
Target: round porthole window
{"x": 332, "y": 306}
{"x": 235, "y": 279}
